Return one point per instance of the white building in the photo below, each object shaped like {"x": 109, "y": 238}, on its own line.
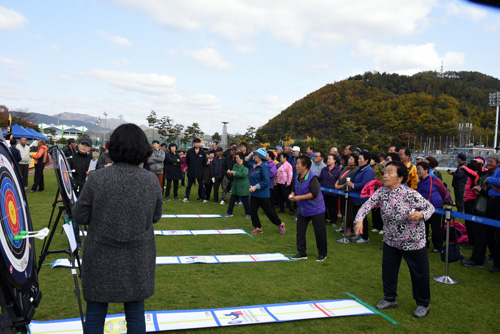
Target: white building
{"x": 63, "y": 131}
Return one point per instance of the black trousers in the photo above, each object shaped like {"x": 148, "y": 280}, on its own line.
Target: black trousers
{"x": 283, "y": 193}
{"x": 267, "y": 206}
{"x": 470, "y": 225}
{"x": 232, "y": 202}
{"x": 332, "y": 206}
{"x": 355, "y": 209}
{"x": 377, "y": 221}
{"x": 23, "y": 170}
{"x": 208, "y": 190}
{"x": 459, "y": 198}
{"x": 417, "y": 262}
{"x": 201, "y": 188}
{"x": 485, "y": 234}
{"x": 217, "y": 184}
{"x": 169, "y": 186}
{"x": 39, "y": 167}
{"x": 318, "y": 222}
{"x": 437, "y": 231}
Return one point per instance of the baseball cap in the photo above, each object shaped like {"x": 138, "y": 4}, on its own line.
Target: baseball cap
{"x": 296, "y": 148}
{"x": 86, "y": 140}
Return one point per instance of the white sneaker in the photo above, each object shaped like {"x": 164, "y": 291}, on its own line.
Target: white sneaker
{"x": 222, "y": 202}
{"x": 381, "y": 232}
{"x": 185, "y": 200}
{"x": 205, "y": 201}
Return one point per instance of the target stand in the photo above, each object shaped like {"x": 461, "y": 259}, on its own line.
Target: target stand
{"x": 64, "y": 205}
{"x": 19, "y": 289}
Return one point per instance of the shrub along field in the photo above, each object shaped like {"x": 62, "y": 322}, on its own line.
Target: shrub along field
{"x": 469, "y": 307}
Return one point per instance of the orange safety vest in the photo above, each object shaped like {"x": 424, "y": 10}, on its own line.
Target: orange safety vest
{"x": 41, "y": 153}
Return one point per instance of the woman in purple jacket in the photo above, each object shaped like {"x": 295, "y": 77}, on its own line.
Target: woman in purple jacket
{"x": 329, "y": 175}
{"x": 432, "y": 189}
{"x": 311, "y": 206}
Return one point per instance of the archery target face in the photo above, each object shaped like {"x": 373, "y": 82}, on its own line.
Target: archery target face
{"x": 14, "y": 220}
{"x": 63, "y": 173}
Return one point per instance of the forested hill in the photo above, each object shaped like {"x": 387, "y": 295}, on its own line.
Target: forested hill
{"x": 373, "y": 110}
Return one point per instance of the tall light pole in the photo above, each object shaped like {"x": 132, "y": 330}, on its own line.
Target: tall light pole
{"x": 104, "y": 134}
{"x": 495, "y": 102}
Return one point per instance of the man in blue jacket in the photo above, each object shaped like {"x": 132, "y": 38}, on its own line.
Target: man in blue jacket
{"x": 363, "y": 176}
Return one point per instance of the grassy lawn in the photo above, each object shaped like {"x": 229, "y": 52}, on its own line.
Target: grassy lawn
{"x": 469, "y": 307}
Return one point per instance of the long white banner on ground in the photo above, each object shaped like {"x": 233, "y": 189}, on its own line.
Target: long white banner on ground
{"x": 269, "y": 257}
{"x": 192, "y": 216}
{"x": 193, "y": 232}
{"x": 201, "y": 232}
{"x": 190, "y": 319}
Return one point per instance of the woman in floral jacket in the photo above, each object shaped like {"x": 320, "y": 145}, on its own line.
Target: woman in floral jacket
{"x": 404, "y": 212}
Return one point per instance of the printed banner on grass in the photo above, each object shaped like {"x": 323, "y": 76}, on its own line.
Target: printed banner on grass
{"x": 192, "y": 216}
{"x": 193, "y": 232}
{"x": 201, "y": 232}
{"x": 160, "y": 260}
{"x": 192, "y": 319}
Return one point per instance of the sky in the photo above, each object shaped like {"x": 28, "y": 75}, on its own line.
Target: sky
{"x": 238, "y": 61}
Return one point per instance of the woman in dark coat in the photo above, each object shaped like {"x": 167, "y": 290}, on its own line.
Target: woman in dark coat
{"x": 120, "y": 204}
{"x": 174, "y": 174}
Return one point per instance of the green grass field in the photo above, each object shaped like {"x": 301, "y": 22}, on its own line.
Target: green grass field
{"x": 469, "y": 307}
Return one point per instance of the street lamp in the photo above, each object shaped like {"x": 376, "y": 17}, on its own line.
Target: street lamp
{"x": 495, "y": 102}
{"x": 104, "y": 134}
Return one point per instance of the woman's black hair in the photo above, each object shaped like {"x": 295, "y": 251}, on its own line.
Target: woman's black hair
{"x": 366, "y": 155}
{"x": 241, "y": 155}
{"x": 424, "y": 165}
{"x": 271, "y": 154}
{"x": 394, "y": 156}
{"x": 129, "y": 144}
{"x": 402, "y": 170}
{"x": 172, "y": 145}
{"x": 355, "y": 157}
{"x": 305, "y": 160}
{"x": 376, "y": 157}
{"x": 284, "y": 155}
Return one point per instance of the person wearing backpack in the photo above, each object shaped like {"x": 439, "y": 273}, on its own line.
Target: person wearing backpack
{"x": 432, "y": 189}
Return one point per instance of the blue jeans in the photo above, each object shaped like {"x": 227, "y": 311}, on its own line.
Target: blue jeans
{"x": 96, "y": 315}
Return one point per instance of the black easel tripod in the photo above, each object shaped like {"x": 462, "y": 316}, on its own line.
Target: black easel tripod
{"x": 65, "y": 212}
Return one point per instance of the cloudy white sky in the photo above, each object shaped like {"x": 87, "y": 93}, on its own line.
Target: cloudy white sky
{"x": 224, "y": 60}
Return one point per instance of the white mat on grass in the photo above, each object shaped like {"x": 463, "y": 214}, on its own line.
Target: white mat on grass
{"x": 190, "y": 319}
{"x": 200, "y": 232}
{"x": 192, "y": 232}
{"x": 269, "y": 257}
{"x": 192, "y": 216}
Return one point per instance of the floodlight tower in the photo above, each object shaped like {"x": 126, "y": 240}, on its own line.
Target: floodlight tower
{"x": 495, "y": 102}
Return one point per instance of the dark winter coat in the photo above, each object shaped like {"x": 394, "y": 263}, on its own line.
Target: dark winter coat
{"x": 119, "y": 204}
{"x": 79, "y": 164}
{"x": 173, "y": 166}
{"x": 218, "y": 168}
{"x": 196, "y": 163}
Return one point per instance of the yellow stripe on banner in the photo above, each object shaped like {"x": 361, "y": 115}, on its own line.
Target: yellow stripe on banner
{"x": 261, "y": 315}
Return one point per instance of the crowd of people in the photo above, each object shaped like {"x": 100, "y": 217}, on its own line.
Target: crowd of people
{"x": 401, "y": 194}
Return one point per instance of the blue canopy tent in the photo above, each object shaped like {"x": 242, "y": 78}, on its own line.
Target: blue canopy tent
{"x": 36, "y": 134}
{"x": 18, "y": 132}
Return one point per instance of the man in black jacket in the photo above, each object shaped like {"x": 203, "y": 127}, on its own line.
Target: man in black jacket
{"x": 69, "y": 150}
{"x": 459, "y": 181}
{"x": 218, "y": 172}
{"x": 79, "y": 163}
{"x": 196, "y": 159}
